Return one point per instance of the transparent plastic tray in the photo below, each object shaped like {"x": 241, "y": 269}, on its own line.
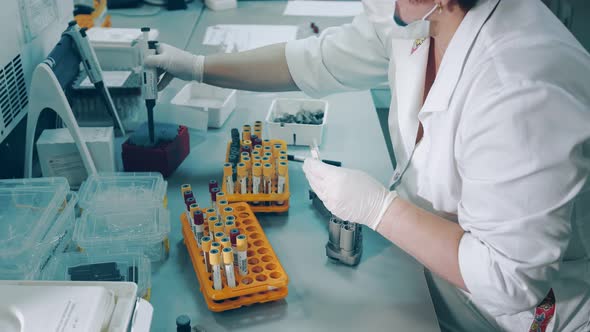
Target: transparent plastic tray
{"x": 141, "y": 229}
{"x": 28, "y": 255}
{"x": 126, "y": 266}
{"x": 116, "y": 190}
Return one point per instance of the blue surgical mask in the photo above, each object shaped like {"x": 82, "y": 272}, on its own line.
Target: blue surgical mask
{"x": 414, "y": 30}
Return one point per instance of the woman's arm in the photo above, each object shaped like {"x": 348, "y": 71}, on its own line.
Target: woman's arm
{"x": 432, "y": 240}
{"x": 261, "y": 69}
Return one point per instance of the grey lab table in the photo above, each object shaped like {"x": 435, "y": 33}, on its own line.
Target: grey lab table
{"x": 387, "y": 291}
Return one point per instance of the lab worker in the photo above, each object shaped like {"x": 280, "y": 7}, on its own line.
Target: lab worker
{"x": 490, "y": 122}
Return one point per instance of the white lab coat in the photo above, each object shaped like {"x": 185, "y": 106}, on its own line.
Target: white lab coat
{"x": 506, "y": 145}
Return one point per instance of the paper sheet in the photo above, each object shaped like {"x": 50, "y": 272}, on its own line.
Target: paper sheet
{"x": 114, "y": 79}
{"x": 323, "y": 8}
{"x": 237, "y": 38}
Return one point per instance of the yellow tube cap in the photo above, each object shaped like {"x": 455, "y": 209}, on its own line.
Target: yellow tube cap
{"x": 206, "y": 243}
{"x": 242, "y": 242}
{"x": 257, "y": 169}
{"x": 214, "y": 257}
{"x": 225, "y": 243}
{"x": 267, "y": 169}
{"x": 242, "y": 170}
{"x": 227, "y": 171}
{"x": 283, "y": 168}
{"x": 228, "y": 256}
{"x": 185, "y": 187}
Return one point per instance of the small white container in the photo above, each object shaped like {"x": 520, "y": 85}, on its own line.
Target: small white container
{"x": 294, "y": 133}
{"x": 215, "y": 104}
{"x": 221, "y": 4}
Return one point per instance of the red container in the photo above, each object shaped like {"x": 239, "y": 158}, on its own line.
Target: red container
{"x": 164, "y": 158}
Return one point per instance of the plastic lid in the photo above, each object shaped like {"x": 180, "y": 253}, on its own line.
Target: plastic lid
{"x": 206, "y": 243}
{"x": 228, "y": 255}
{"x": 214, "y": 257}
{"x": 28, "y": 209}
{"x": 131, "y": 226}
{"x": 225, "y": 243}
{"x": 123, "y": 190}
{"x": 242, "y": 242}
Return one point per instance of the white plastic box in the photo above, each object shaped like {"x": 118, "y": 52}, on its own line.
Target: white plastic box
{"x": 137, "y": 229}
{"x": 132, "y": 267}
{"x": 293, "y": 133}
{"x": 36, "y": 221}
{"x": 214, "y": 104}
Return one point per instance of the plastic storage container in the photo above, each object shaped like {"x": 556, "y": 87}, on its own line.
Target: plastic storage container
{"x": 212, "y": 103}
{"x": 126, "y": 229}
{"x": 76, "y": 266}
{"x": 123, "y": 190}
{"x": 36, "y": 220}
{"x": 294, "y": 133}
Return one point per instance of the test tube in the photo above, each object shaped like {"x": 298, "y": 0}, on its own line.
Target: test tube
{"x": 211, "y": 221}
{"x": 233, "y": 237}
{"x": 229, "y": 225}
{"x": 267, "y": 173}
{"x": 218, "y": 236}
{"x": 191, "y": 210}
{"x": 221, "y": 205}
{"x": 256, "y": 180}
{"x": 281, "y": 180}
{"x": 214, "y": 255}
{"x": 218, "y": 227}
{"x": 242, "y": 178}
{"x": 187, "y": 193}
{"x": 246, "y": 131}
{"x": 276, "y": 150}
{"x": 188, "y": 202}
{"x": 206, "y": 246}
{"x": 255, "y": 153}
{"x": 266, "y": 149}
{"x": 221, "y": 196}
{"x": 266, "y": 142}
{"x": 228, "y": 263}
{"x": 214, "y": 192}
{"x": 242, "y": 248}
{"x": 248, "y": 163}
{"x": 213, "y": 184}
{"x": 198, "y": 227}
{"x": 258, "y": 148}
{"x": 244, "y": 155}
{"x": 216, "y": 245}
{"x": 227, "y": 178}
{"x": 257, "y": 159}
{"x": 184, "y": 188}
{"x": 247, "y": 143}
{"x": 225, "y": 242}
{"x": 284, "y": 159}
{"x": 227, "y": 211}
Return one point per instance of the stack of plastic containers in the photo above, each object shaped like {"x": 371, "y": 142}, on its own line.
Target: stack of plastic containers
{"x": 124, "y": 225}
{"x": 36, "y": 222}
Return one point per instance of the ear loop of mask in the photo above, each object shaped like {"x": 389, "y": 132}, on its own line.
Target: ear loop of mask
{"x": 402, "y": 23}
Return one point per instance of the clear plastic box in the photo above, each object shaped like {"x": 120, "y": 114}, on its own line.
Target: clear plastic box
{"x": 36, "y": 220}
{"x": 121, "y": 190}
{"x": 127, "y": 266}
{"x": 136, "y": 229}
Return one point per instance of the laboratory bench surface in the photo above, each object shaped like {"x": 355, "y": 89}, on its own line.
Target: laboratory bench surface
{"x": 386, "y": 291}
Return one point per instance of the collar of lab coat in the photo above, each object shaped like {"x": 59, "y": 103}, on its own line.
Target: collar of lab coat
{"x": 456, "y": 56}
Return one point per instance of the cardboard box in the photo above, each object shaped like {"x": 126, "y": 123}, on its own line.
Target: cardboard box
{"x": 59, "y": 156}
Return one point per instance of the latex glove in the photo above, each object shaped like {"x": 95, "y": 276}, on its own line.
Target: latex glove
{"x": 349, "y": 194}
{"x": 176, "y": 63}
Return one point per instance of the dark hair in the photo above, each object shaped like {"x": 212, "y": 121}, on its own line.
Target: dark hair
{"x": 467, "y": 4}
